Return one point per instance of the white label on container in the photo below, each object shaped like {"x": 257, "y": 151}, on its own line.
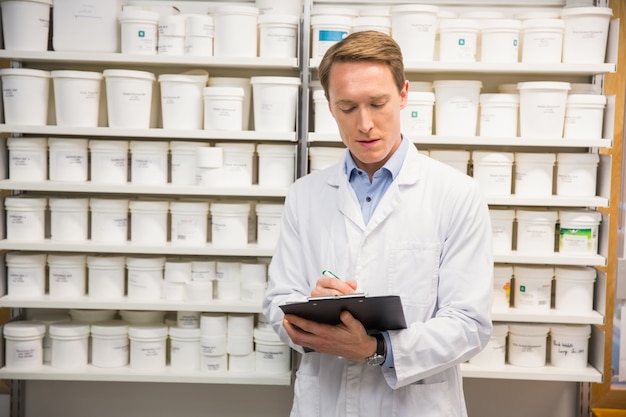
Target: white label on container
{"x": 22, "y": 220}
{"x": 151, "y": 350}
{"x": 61, "y": 276}
{"x": 70, "y": 159}
{"x": 577, "y": 239}
{"x": 186, "y": 228}
{"x": 543, "y": 41}
{"x": 23, "y": 277}
{"x": 537, "y": 232}
{"x": 564, "y": 348}
{"x": 533, "y": 295}
{"x": 27, "y": 161}
{"x": 202, "y": 275}
{"x": 24, "y": 351}
{"x": 527, "y": 347}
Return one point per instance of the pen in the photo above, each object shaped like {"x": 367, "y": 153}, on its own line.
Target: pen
{"x": 329, "y": 274}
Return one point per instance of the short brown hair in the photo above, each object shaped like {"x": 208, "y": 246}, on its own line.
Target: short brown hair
{"x": 366, "y": 45}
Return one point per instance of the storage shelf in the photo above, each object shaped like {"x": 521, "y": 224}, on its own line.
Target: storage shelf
{"x": 520, "y": 315}
{"x": 152, "y": 133}
{"x": 86, "y": 302}
{"x": 544, "y": 373}
{"x": 553, "y": 201}
{"x": 135, "y": 189}
{"x": 130, "y": 248}
{"x": 126, "y": 374}
{"x": 550, "y": 259}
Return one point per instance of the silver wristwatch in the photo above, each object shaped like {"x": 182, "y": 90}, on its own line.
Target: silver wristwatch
{"x": 378, "y": 358}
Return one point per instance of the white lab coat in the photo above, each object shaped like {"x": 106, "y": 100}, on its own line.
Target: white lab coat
{"x": 429, "y": 241}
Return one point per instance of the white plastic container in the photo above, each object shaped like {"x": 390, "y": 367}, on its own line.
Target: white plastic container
{"x": 228, "y": 283}
{"x": 569, "y": 345}
{"x": 242, "y": 363}
{"x": 542, "y": 108}
{"x": 189, "y": 222}
{"x": 148, "y": 222}
{"x": 67, "y": 277}
{"x": 199, "y": 35}
{"x": 542, "y": 41}
{"x": 110, "y": 345}
{"x": 277, "y": 165}
{"x": 414, "y": 27}
{"x": 236, "y": 33}
{"x": 68, "y": 159}
{"x": 172, "y": 25}
{"x": 149, "y": 162}
{"x": 25, "y": 93}
{"x": 70, "y": 342}
{"x": 109, "y": 220}
{"x": 47, "y": 319}
{"x": 578, "y": 231}
{"x": 247, "y": 98}
{"x": 109, "y": 161}
{"x": 323, "y": 157}
{"x": 76, "y": 97}
{"x": 223, "y": 108}
{"x": 229, "y": 224}
{"x": 585, "y": 34}
{"x": 139, "y": 31}
{"x": 275, "y": 102}
{"x": 502, "y": 283}
{"x": 536, "y": 230}
{"x": 502, "y": 229}
{"x": 494, "y": 172}
{"x": 25, "y": 218}
{"x": 26, "y": 24}
{"x": 534, "y": 174}
{"x": 106, "y": 277}
{"x": 498, "y": 115}
{"x": 28, "y": 159}
{"x": 417, "y": 117}
{"x": 574, "y": 288}
{"x": 24, "y": 344}
{"x": 198, "y": 291}
{"x": 183, "y": 166}
{"x": 458, "y": 40}
{"x": 147, "y": 347}
{"x": 457, "y": 100}
{"x": 576, "y": 174}
{"x": 272, "y": 355}
{"x": 181, "y": 100}
{"x": 238, "y": 164}
{"x": 494, "y": 353}
{"x": 173, "y": 291}
{"x": 210, "y": 166}
{"x": 378, "y": 23}
{"x": 129, "y": 98}
{"x": 533, "y": 287}
{"x": 323, "y": 120}
{"x": 456, "y": 159}
{"x": 268, "y": 224}
{"x": 145, "y": 276}
{"x": 499, "y": 40}
{"x": 527, "y": 345}
{"x": 69, "y": 219}
{"x": 584, "y": 116}
{"x": 171, "y": 45}
{"x": 327, "y": 30}
{"x": 203, "y": 271}
{"x": 278, "y": 36}
{"x": 26, "y": 274}
{"x": 238, "y": 345}
{"x": 214, "y": 324}
{"x": 185, "y": 349}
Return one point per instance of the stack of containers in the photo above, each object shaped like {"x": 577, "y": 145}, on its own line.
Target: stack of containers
{"x": 240, "y": 342}
{"x": 228, "y": 280}
{"x": 213, "y": 335}
{"x": 199, "y": 33}
{"x": 171, "y": 36}
{"x": 176, "y": 275}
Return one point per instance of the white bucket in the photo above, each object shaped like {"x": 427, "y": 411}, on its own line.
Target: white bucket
{"x": 184, "y": 349}
{"x": 502, "y": 283}
{"x": 414, "y": 27}
{"x": 109, "y": 220}
{"x": 578, "y": 231}
{"x": 177, "y": 270}
{"x": 247, "y": 90}
{"x": 277, "y": 165}
{"x": 275, "y": 101}
{"x": 210, "y": 166}
{"x": 456, "y": 100}
{"x": 69, "y": 219}
{"x": 24, "y": 348}
{"x": 172, "y": 25}
{"x": 26, "y": 24}
{"x": 47, "y": 319}
{"x": 77, "y": 97}
{"x": 199, "y": 35}
{"x": 181, "y": 100}
{"x": 26, "y": 274}
{"x": 148, "y": 347}
{"x": 223, "y": 108}
{"x": 576, "y": 174}
{"x": 376, "y": 23}
{"x": 25, "y": 93}
{"x": 235, "y": 31}
{"x": 110, "y": 344}
{"x": 500, "y": 39}
{"x": 198, "y": 291}
{"x": 542, "y": 41}
{"x": 494, "y": 172}
{"x": 189, "y": 222}
{"x": 253, "y": 272}
{"x": 502, "y": 229}
{"x": 456, "y": 159}
{"x": 183, "y": 167}
{"x": 494, "y": 353}
{"x": 527, "y": 345}
{"x": 237, "y": 168}
{"x": 28, "y": 159}
{"x": 533, "y": 287}
{"x": 214, "y": 324}
{"x": 228, "y": 271}
{"x": 535, "y": 231}
{"x": 417, "y": 117}
{"x": 148, "y": 222}
{"x": 584, "y": 115}
{"x": 569, "y": 347}
{"x": 67, "y": 277}
{"x": 278, "y": 36}
{"x": 574, "y": 288}
{"x": 542, "y": 108}
{"x": 149, "y": 162}
{"x": 68, "y": 159}
{"x": 139, "y": 31}
{"x": 498, "y": 115}
{"x": 272, "y": 355}
{"x": 129, "y": 98}
{"x": 70, "y": 345}
{"x": 25, "y": 218}
{"x": 327, "y": 30}
{"x": 534, "y": 174}
{"x": 323, "y": 120}
{"x": 458, "y": 40}
{"x": 109, "y": 161}
{"x": 323, "y": 157}
{"x": 106, "y": 277}
{"x": 585, "y": 34}
{"x": 268, "y": 224}
{"x": 145, "y": 275}
{"x": 229, "y": 224}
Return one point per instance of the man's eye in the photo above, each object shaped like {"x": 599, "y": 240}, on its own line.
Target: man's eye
{"x": 378, "y": 105}
{"x": 346, "y": 109}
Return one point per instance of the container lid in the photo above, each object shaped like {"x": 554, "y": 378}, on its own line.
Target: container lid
{"x": 66, "y": 259}
{"x": 148, "y": 261}
{"x": 69, "y": 329}
{"x": 223, "y": 92}
{"x": 421, "y": 97}
{"x": 275, "y": 80}
{"x": 275, "y": 209}
{"x": 543, "y": 85}
{"x": 105, "y": 261}
{"x": 25, "y": 202}
{"x": 285, "y": 19}
{"x": 575, "y": 273}
{"x": 189, "y": 206}
{"x": 25, "y": 258}
{"x": 578, "y": 158}
{"x": 276, "y": 149}
{"x": 413, "y": 8}
{"x": 537, "y": 215}
{"x": 570, "y": 329}
{"x": 538, "y": 14}
{"x": 27, "y": 143}
{"x": 26, "y": 72}
{"x": 498, "y": 24}
{"x": 555, "y": 23}
{"x": 149, "y": 145}
{"x": 499, "y": 98}
{"x": 470, "y": 24}
{"x": 593, "y": 99}
{"x": 108, "y": 203}
{"x": 530, "y": 329}
{"x": 91, "y": 316}
{"x": 457, "y": 83}
{"x": 579, "y": 216}
{"x": 589, "y": 11}
{"x": 108, "y": 145}
{"x": 73, "y": 144}
{"x": 542, "y": 158}
{"x": 533, "y": 271}
{"x": 185, "y": 78}
{"x": 110, "y": 328}
{"x": 147, "y": 331}
{"x": 185, "y": 333}
{"x": 121, "y": 73}
{"x": 492, "y": 157}
{"x": 85, "y": 75}
{"x": 24, "y": 328}
{"x": 231, "y": 9}
{"x": 34, "y": 1}
{"x": 69, "y": 203}
{"x": 209, "y": 157}
{"x": 230, "y": 208}
{"x": 134, "y": 14}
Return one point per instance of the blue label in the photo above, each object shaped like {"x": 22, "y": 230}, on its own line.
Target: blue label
{"x": 141, "y": 34}
{"x": 414, "y": 115}
{"x": 461, "y": 42}
{"x": 332, "y": 35}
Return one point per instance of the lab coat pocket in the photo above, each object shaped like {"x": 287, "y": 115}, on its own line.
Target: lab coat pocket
{"x": 425, "y": 400}
{"x": 306, "y": 396}
{"x": 413, "y": 270}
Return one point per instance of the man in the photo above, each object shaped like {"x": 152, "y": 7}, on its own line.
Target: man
{"x": 387, "y": 220}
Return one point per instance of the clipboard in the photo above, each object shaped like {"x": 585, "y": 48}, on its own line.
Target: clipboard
{"x": 376, "y": 313}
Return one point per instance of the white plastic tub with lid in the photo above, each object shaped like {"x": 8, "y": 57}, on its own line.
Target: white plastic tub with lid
{"x": 77, "y": 97}
{"x": 26, "y": 24}
{"x": 275, "y": 103}
{"x": 139, "y": 31}
{"x": 413, "y": 27}
{"x": 527, "y": 345}
{"x": 67, "y": 277}
{"x": 534, "y": 174}
{"x": 129, "y": 98}
{"x": 181, "y": 100}
{"x": 536, "y": 230}
{"x": 28, "y": 159}
{"x": 69, "y": 219}
{"x": 25, "y": 93}
{"x": 533, "y": 287}
{"x": 236, "y": 30}
{"x": 109, "y": 161}
{"x": 24, "y": 349}
{"x": 569, "y": 347}
{"x": 584, "y": 116}
{"x": 70, "y": 345}
{"x": 542, "y": 108}
{"x": 25, "y": 218}
{"x": 26, "y": 274}
{"x": 585, "y": 34}
{"x": 574, "y": 288}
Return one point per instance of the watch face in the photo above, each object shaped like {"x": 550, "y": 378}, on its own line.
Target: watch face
{"x": 375, "y": 360}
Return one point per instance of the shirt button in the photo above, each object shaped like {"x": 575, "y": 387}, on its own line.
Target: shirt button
{"x": 368, "y": 199}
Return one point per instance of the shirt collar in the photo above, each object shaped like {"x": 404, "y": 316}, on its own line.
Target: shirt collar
{"x": 392, "y": 166}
